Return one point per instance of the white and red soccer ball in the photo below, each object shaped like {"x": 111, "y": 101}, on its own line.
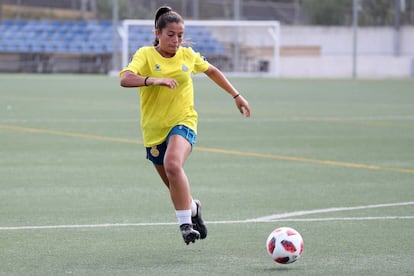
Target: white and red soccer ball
{"x": 284, "y": 245}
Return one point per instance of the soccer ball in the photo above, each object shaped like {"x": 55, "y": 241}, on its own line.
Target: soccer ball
{"x": 284, "y": 245}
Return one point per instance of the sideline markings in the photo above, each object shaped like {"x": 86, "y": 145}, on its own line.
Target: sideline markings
{"x": 274, "y": 218}
{"x": 307, "y": 160}
{"x": 214, "y": 150}
{"x": 328, "y": 210}
{"x": 113, "y": 225}
{"x": 71, "y": 134}
{"x": 313, "y": 219}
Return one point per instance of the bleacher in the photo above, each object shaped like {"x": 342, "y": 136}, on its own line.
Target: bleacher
{"x": 78, "y": 46}
{"x": 55, "y": 37}
{"x": 198, "y": 37}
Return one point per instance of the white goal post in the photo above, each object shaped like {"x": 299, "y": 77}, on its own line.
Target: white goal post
{"x": 239, "y": 47}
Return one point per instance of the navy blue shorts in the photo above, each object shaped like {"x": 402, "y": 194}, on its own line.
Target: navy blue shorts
{"x": 156, "y": 153}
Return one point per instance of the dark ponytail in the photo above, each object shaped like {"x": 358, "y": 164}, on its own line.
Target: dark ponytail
{"x": 165, "y": 15}
{"x": 159, "y": 12}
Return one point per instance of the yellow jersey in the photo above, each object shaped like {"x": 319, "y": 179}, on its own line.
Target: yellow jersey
{"x": 163, "y": 108}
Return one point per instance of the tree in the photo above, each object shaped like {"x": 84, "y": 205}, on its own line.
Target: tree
{"x": 376, "y": 12}
{"x": 327, "y": 12}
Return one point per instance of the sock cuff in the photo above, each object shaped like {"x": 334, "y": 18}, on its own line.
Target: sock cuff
{"x": 183, "y": 216}
{"x": 193, "y": 208}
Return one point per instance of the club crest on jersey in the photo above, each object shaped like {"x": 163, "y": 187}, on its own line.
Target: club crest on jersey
{"x": 157, "y": 67}
{"x": 154, "y": 151}
{"x": 185, "y": 68}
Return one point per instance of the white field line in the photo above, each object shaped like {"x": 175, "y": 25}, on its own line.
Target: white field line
{"x": 347, "y": 219}
{"x": 72, "y": 226}
{"x": 285, "y": 217}
{"x": 314, "y": 219}
{"x": 328, "y": 210}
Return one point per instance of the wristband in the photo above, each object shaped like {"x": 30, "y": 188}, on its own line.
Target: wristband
{"x": 145, "y": 81}
{"x": 236, "y": 96}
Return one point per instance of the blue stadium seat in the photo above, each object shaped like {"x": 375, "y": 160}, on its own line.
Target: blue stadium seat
{"x": 93, "y": 36}
{"x": 5, "y": 47}
{"x": 60, "y": 46}
{"x": 34, "y": 48}
{"x": 8, "y": 22}
{"x": 75, "y": 47}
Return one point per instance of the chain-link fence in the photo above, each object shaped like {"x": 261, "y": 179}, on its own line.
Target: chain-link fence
{"x": 296, "y": 12}
{"x": 316, "y": 35}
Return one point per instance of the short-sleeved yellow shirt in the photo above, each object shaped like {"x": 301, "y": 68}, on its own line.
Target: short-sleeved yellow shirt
{"x": 163, "y": 108}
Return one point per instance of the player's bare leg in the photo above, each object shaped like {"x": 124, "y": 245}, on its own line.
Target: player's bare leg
{"x": 196, "y": 216}
{"x": 173, "y": 175}
{"x": 177, "y": 153}
{"x": 163, "y": 175}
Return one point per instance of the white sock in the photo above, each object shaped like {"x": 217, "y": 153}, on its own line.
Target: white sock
{"x": 193, "y": 208}
{"x": 183, "y": 216}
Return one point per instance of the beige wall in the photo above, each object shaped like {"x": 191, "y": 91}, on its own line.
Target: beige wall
{"x": 376, "y": 52}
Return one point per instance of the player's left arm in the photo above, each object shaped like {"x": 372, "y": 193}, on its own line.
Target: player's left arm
{"x": 220, "y": 79}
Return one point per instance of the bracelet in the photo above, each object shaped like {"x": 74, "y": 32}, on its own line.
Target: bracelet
{"x": 236, "y": 96}
{"x": 145, "y": 81}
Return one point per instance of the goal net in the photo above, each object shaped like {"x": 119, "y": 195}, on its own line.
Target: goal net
{"x": 239, "y": 47}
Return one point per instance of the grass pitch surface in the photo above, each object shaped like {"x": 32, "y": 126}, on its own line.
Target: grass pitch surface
{"x": 333, "y": 159}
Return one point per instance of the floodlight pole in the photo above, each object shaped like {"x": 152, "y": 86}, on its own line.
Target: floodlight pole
{"x": 83, "y": 9}
{"x": 195, "y": 9}
{"x": 355, "y": 38}
{"x": 236, "y": 49}
{"x": 115, "y": 18}
{"x": 398, "y": 5}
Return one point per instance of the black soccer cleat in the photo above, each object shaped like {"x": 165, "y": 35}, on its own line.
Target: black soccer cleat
{"x": 198, "y": 223}
{"x": 189, "y": 234}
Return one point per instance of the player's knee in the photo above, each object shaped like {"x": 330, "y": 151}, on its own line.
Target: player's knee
{"x": 172, "y": 167}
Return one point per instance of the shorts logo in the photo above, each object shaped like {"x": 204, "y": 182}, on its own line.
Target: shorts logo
{"x": 154, "y": 151}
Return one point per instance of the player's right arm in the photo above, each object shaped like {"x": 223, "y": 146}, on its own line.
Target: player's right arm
{"x": 130, "y": 79}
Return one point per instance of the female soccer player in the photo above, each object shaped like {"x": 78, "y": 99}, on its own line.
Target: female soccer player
{"x": 168, "y": 118}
